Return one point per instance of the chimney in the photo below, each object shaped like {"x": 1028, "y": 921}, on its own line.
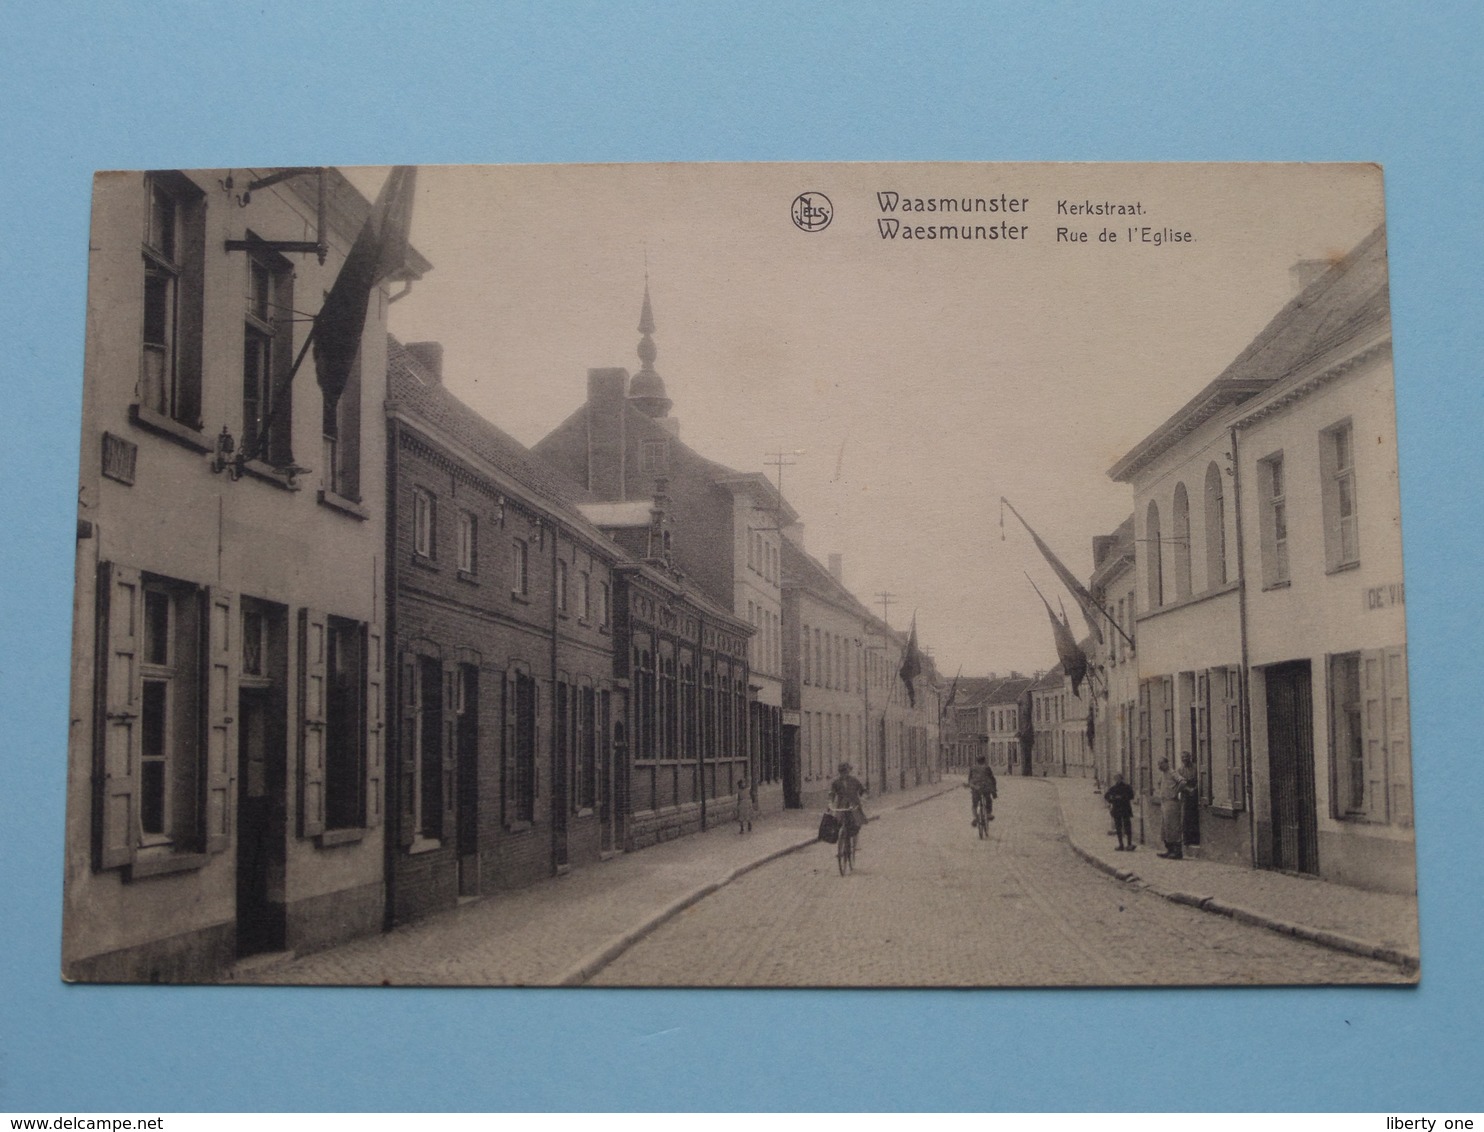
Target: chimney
{"x": 607, "y": 397}
{"x": 837, "y": 568}
{"x": 429, "y": 355}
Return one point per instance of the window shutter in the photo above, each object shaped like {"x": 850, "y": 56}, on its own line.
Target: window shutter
{"x": 450, "y": 739}
{"x": 313, "y": 668}
{"x": 1203, "y": 734}
{"x": 411, "y": 700}
{"x": 536, "y": 748}
{"x": 1398, "y": 736}
{"x": 1373, "y": 731}
{"x": 507, "y": 749}
{"x": 224, "y": 654}
{"x": 375, "y": 726}
{"x": 1236, "y": 759}
{"x": 120, "y": 691}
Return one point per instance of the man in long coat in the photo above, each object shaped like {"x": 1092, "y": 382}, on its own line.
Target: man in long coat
{"x": 1171, "y": 811}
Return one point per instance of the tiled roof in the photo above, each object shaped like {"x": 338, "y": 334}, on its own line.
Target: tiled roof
{"x": 1348, "y": 301}
{"x": 410, "y": 384}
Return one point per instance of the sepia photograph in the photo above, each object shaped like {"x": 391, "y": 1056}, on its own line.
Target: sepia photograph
{"x": 740, "y": 575}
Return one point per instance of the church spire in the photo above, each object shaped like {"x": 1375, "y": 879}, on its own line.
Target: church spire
{"x": 647, "y": 389}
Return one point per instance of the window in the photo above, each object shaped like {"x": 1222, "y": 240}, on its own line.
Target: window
{"x": 468, "y": 543}
{"x": 1154, "y": 552}
{"x": 424, "y": 523}
{"x": 587, "y": 749}
{"x": 603, "y": 605}
{"x": 267, "y": 406}
{"x": 1337, "y": 494}
{"x": 345, "y": 727}
{"x": 519, "y": 572}
{"x": 1182, "y": 542}
{"x": 169, "y": 714}
{"x": 1274, "y": 516}
{"x": 1370, "y": 745}
{"x": 561, "y": 586}
{"x": 341, "y": 426}
{"x": 519, "y": 754}
{"x": 340, "y": 752}
{"x": 807, "y": 666}
{"x": 173, "y": 249}
{"x": 1215, "y": 528}
{"x": 167, "y": 689}
{"x": 653, "y": 456}
{"x": 585, "y": 596}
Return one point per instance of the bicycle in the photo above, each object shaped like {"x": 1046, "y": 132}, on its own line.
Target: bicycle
{"x": 845, "y": 844}
{"x": 981, "y": 815}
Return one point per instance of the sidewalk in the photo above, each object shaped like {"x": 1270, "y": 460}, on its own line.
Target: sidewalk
{"x": 1375, "y": 924}
{"x": 562, "y": 931}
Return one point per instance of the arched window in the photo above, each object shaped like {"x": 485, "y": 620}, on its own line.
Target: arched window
{"x": 1215, "y": 528}
{"x": 1181, "y": 542}
{"x": 1154, "y": 550}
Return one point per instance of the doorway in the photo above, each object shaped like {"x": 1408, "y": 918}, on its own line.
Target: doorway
{"x": 1290, "y": 702}
{"x": 261, "y": 817}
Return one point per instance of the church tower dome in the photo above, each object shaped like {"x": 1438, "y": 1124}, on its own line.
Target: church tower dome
{"x": 647, "y": 388}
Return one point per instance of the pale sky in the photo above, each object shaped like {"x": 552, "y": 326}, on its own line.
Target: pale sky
{"x": 922, "y": 380}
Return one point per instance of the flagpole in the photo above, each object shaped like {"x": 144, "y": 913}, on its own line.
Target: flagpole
{"x": 1096, "y": 605}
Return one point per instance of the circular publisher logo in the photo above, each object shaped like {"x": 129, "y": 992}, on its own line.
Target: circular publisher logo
{"x": 812, "y": 212}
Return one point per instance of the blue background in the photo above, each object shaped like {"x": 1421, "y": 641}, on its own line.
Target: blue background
{"x": 84, "y": 87}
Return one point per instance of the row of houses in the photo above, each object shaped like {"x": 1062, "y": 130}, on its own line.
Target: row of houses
{"x": 1260, "y": 581}
{"x": 1251, "y": 608}
{"x": 345, "y": 652}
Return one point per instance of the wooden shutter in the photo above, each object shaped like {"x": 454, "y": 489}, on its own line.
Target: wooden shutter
{"x": 313, "y": 673}
{"x": 411, "y": 710}
{"x": 1373, "y": 732}
{"x": 1398, "y": 735}
{"x": 120, "y": 692}
{"x": 507, "y": 748}
{"x": 452, "y": 699}
{"x": 1203, "y": 733}
{"x": 375, "y": 726}
{"x": 224, "y": 654}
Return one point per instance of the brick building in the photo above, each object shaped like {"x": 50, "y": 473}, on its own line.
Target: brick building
{"x": 726, "y": 525}
{"x": 508, "y": 711}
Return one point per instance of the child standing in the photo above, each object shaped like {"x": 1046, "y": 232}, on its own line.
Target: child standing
{"x": 744, "y": 806}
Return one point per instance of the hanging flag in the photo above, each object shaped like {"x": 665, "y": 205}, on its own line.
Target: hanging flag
{"x": 911, "y": 664}
{"x": 1073, "y": 659}
{"x": 379, "y": 252}
{"x": 952, "y": 695}
{"x": 1068, "y": 579}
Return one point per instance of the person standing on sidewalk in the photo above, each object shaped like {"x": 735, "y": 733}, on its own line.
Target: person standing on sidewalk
{"x": 1120, "y": 799}
{"x": 1171, "y": 812}
{"x": 744, "y": 806}
{"x": 1191, "y": 801}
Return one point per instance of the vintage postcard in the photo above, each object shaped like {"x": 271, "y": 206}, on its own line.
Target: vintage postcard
{"x": 879, "y": 575}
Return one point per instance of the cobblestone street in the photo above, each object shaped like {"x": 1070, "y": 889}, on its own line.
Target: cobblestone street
{"x": 932, "y": 905}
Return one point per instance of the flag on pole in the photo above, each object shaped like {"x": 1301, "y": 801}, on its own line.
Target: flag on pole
{"x": 952, "y": 695}
{"x": 911, "y": 664}
{"x": 1073, "y": 659}
{"x": 379, "y": 252}
{"x": 1068, "y": 579}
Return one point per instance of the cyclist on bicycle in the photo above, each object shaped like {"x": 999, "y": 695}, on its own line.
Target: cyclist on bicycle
{"x": 845, "y": 795}
{"x": 983, "y": 787}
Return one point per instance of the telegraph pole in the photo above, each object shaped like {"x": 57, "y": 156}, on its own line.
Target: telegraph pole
{"x": 886, "y": 599}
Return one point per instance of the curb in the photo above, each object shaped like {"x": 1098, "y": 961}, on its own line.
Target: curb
{"x": 578, "y": 975}
{"x": 1332, "y": 940}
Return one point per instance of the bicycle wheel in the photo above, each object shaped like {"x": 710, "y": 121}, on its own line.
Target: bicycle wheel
{"x": 982, "y": 822}
{"x": 845, "y": 851}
